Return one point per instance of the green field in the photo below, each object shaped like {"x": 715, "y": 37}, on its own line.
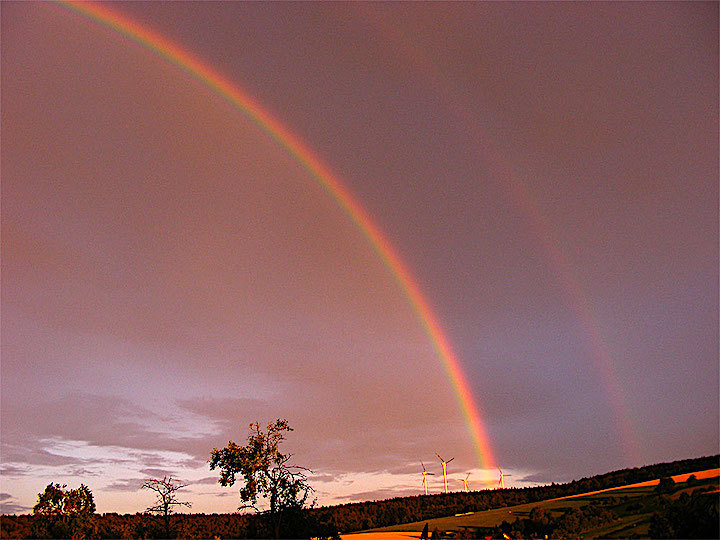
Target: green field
{"x": 633, "y": 507}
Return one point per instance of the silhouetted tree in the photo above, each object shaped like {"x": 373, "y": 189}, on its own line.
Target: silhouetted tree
{"x": 267, "y": 474}
{"x": 166, "y": 499}
{"x": 665, "y": 485}
{"x": 65, "y": 513}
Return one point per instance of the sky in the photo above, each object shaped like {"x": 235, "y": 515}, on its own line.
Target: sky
{"x": 547, "y": 173}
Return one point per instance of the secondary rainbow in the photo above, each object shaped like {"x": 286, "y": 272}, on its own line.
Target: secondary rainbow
{"x": 330, "y": 182}
{"x": 559, "y": 261}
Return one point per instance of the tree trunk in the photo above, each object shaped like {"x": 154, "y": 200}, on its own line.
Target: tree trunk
{"x": 274, "y": 518}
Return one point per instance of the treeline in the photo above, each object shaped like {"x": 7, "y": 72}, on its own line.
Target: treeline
{"x": 112, "y": 525}
{"x": 326, "y": 522}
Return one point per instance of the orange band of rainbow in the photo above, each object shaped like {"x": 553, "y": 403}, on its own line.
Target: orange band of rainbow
{"x": 330, "y": 182}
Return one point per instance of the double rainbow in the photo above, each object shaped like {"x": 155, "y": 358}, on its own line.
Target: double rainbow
{"x": 185, "y": 60}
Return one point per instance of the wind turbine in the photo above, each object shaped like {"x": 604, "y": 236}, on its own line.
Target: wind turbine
{"x": 465, "y": 481}
{"x": 501, "y": 482}
{"x": 444, "y": 466}
{"x": 425, "y": 473}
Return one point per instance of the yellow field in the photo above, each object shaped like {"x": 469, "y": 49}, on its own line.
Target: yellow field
{"x": 700, "y": 475}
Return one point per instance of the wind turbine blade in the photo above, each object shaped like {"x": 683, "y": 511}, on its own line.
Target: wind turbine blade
{"x": 449, "y": 460}
{"x": 421, "y": 463}
{"x": 438, "y": 455}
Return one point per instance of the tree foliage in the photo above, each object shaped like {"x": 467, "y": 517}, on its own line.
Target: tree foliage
{"x": 665, "y": 485}
{"x": 266, "y": 474}
{"x": 65, "y": 513}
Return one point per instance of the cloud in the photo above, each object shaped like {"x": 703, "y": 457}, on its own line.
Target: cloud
{"x": 324, "y": 477}
{"x": 81, "y": 471}
{"x": 14, "y": 470}
{"x": 127, "y": 484}
{"x": 396, "y": 448}
{"x": 113, "y": 430}
{"x": 8, "y": 506}
{"x": 158, "y": 460}
{"x": 102, "y": 421}
{"x": 227, "y": 414}
{"x": 156, "y": 473}
{"x": 208, "y": 480}
{"x": 537, "y": 478}
{"x": 219, "y": 493}
{"x": 13, "y": 508}
{"x": 379, "y": 494}
{"x": 412, "y": 467}
{"x": 224, "y": 409}
{"x": 40, "y": 456}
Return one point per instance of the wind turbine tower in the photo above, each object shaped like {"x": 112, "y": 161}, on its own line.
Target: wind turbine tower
{"x": 444, "y": 466}
{"x": 465, "y": 482}
{"x": 425, "y": 474}
{"x": 501, "y": 482}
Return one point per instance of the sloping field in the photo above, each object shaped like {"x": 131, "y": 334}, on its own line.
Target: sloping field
{"x": 700, "y": 475}
{"x": 493, "y": 518}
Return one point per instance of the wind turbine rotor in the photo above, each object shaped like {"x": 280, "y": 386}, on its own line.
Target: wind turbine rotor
{"x": 501, "y": 482}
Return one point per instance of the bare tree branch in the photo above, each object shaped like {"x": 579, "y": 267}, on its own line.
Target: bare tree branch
{"x": 166, "y": 499}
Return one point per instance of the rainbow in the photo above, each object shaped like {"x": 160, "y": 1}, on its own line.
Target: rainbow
{"x": 185, "y": 60}
{"x": 559, "y": 262}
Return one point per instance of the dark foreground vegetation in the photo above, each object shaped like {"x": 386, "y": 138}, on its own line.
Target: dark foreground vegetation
{"x": 658, "y": 513}
{"x": 691, "y": 515}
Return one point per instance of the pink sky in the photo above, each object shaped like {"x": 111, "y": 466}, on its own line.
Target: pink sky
{"x": 171, "y": 273}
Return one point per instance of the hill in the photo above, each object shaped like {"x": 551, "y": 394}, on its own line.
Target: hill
{"x": 625, "y": 512}
{"x": 354, "y": 517}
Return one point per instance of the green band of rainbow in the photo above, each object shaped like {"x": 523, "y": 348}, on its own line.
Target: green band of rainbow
{"x": 330, "y": 182}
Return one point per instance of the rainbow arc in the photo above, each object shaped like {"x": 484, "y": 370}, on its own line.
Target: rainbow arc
{"x": 322, "y": 173}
